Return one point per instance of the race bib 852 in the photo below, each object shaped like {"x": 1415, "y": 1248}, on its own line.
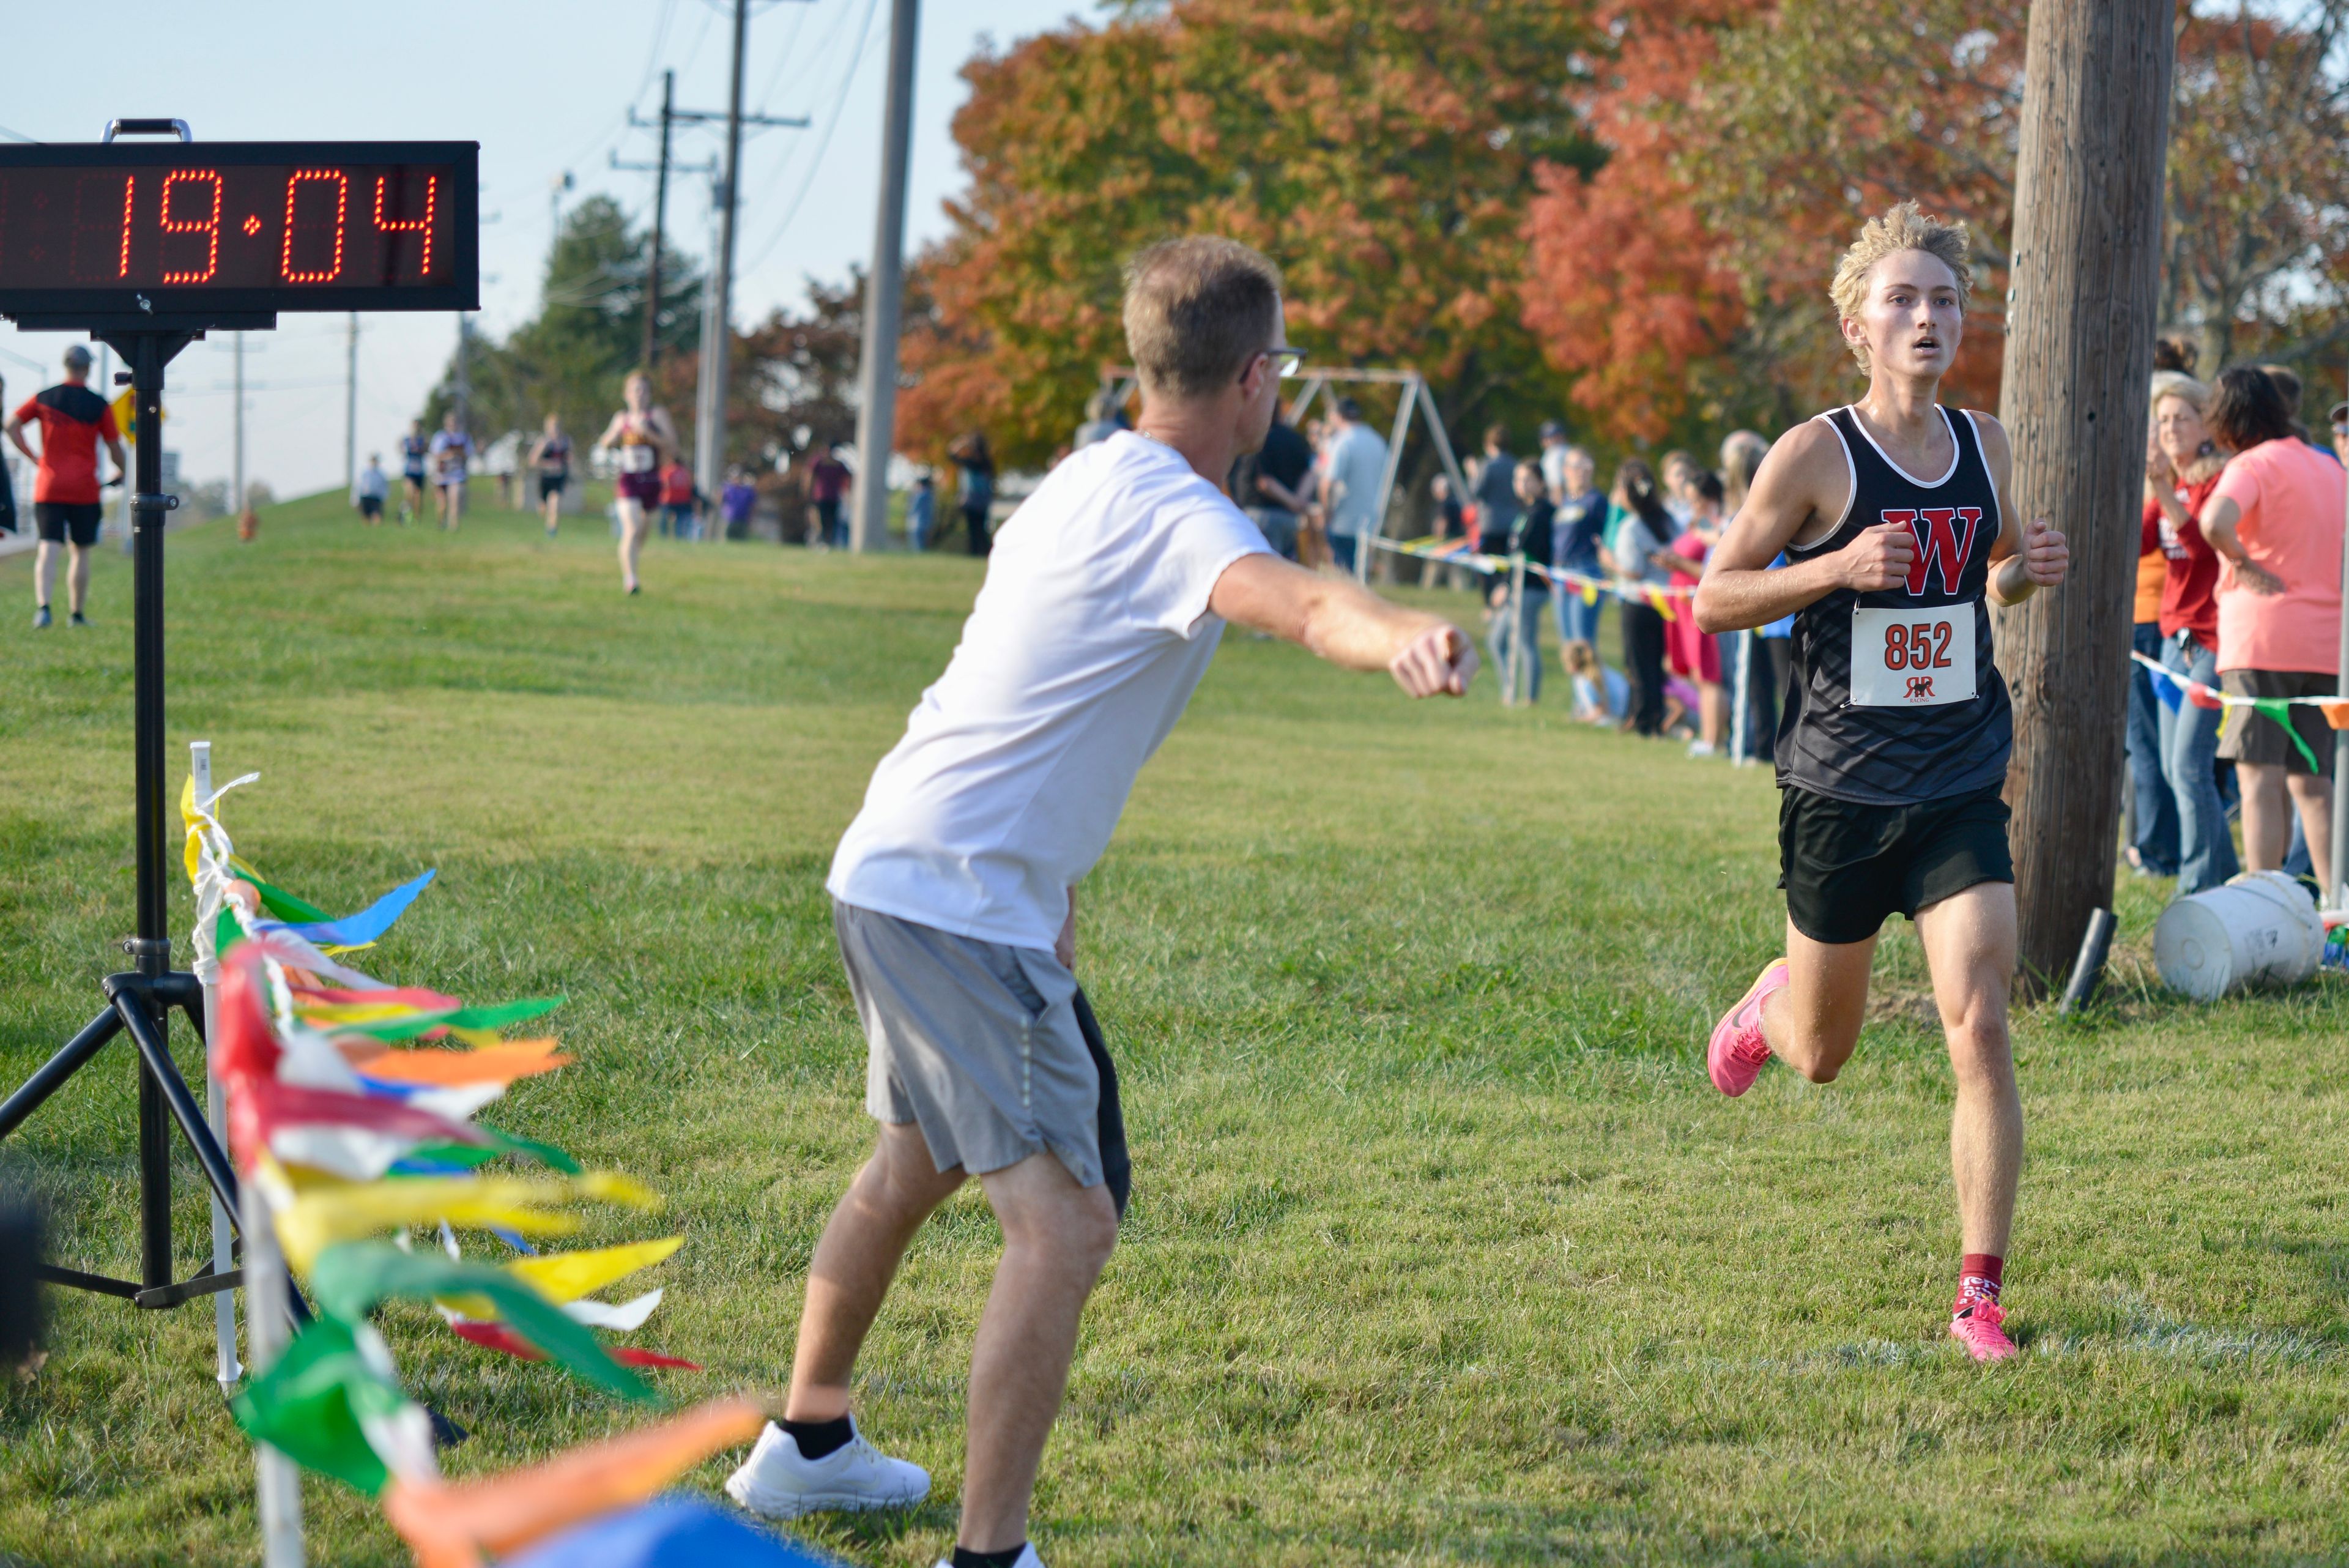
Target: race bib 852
{"x": 1912, "y": 657}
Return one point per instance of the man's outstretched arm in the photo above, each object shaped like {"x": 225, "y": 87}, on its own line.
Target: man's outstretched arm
{"x": 1346, "y": 624}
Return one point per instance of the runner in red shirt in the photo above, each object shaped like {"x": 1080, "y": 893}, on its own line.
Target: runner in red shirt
{"x": 73, "y": 420}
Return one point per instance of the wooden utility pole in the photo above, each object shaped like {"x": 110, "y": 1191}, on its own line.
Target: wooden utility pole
{"x": 2079, "y": 356}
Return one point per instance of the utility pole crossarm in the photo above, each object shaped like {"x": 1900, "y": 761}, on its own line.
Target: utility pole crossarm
{"x": 718, "y": 117}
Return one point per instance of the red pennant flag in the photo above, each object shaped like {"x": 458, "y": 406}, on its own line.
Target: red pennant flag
{"x": 498, "y": 1336}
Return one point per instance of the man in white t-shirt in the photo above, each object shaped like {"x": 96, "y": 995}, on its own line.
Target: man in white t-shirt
{"x": 954, "y": 889}
{"x": 1349, "y": 491}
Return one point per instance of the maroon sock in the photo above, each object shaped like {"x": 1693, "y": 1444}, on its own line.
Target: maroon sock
{"x": 1979, "y": 1277}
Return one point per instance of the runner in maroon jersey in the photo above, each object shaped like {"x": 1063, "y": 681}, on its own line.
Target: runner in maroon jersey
{"x": 73, "y": 419}
{"x": 1893, "y": 746}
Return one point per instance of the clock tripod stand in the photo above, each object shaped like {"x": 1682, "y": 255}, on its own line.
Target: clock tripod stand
{"x": 140, "y": 1002}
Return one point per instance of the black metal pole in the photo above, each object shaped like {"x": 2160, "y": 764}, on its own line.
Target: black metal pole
{"x": 150, "y": 949}
{"x": 660, "y": 225}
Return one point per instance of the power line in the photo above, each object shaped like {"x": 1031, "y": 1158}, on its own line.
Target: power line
{"x": 653, "y": 55}
{"x": 823, "y": 143}
{"x": 788, "y": 54}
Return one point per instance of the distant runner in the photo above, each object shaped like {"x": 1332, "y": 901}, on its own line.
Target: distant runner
{"x": 372, "y": 487}
{"x": 1893, "y": 748}
{"x": 452, "y": 455}
{"x": 414, "y": 447}
{"x": 73, "y": 420}
{"x": 641, "y": 438}
{"x": 552, "y": 458}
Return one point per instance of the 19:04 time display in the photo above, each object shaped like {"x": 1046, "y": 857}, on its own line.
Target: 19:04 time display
{"x": 226, "y": 225}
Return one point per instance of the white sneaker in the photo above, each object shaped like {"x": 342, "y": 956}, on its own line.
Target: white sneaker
{"x": 775, "y": 1482}
{"x": 1026, "y": 1559}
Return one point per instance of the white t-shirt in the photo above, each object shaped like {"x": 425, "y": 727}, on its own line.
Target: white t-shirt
{"x": 1357, "y": 462}
{"x": 1553, "y": 467}
{"x": 1085, "y": 643}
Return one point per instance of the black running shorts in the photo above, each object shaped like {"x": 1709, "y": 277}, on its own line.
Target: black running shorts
{"x": 1847, "y": 868}
{"x": 80, "y": 520}
{"x": 551, "y": 485}
{"x": 2250, "y": 736}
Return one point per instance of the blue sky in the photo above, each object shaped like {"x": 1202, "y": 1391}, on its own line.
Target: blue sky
{"x": 544, "y": 86}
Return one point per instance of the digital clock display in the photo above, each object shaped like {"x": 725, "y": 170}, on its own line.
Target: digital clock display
{"x": 148, "y": 228}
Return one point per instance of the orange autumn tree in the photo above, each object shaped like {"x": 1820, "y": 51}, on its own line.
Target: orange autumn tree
{"x": 1683, "y": 284}
{"x": 1382, "y": 151}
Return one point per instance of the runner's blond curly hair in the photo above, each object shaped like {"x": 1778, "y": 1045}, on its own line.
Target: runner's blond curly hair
{"x": 1906, "y": 227}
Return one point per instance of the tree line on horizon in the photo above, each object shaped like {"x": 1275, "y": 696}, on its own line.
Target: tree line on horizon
{"x": 1622, "y": 215}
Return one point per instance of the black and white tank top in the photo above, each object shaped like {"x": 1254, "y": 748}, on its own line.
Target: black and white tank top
{"x": 1893, "y": 697}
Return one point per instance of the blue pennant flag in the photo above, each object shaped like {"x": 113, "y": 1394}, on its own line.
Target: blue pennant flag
{"x": 357, "y": 930}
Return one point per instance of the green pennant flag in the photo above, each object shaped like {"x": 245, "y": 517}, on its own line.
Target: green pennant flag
{"x": 226, "y": 932}
{"x": 495, "y": 1016}
{"x": 309, "y": 1406}
{"x": 283, "y": 905}
{"x": 468, "y": 1155}
{"x": 546, "y": 1153}
{"x": 464, "y": 1156}
{"x": 350, "y": 1277}
{"x": 2279, "y": 710}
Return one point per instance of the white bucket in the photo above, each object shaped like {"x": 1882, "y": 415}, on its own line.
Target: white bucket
{"x": 2261, "y": 928}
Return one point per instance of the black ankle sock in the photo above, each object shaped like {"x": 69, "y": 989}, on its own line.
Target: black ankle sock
{"x": 818, "y": 1438}
{"x": 964, "y": 1557}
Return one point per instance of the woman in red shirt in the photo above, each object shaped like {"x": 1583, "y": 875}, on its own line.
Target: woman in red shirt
{"x": 2180, "y": 473}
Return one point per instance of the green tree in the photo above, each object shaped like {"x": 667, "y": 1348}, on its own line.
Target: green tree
{"x": 588, "y": 334}
{"x": 1382, "y": 151}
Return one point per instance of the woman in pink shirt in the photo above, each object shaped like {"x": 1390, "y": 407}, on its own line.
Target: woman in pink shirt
{"x": 2275, "y": 520}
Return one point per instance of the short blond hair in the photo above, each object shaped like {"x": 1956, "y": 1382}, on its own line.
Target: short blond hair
{"x": 1197, "y": 311}
{"x": 1907, "y": 227}
{"x": 2179, "y": 384}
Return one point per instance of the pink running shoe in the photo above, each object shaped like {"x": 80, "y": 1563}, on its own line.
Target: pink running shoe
{"x": 1738, "y": 1050}
{"x": 1980, "y": 1326}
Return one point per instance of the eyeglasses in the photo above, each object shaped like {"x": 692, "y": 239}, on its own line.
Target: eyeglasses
{"x": 1290, "y": 361}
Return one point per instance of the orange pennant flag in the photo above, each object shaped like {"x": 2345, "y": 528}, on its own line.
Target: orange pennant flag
{"x": 2335, "y": 715}
{"x": 491, "y": 1065}
{"x": 452, "y": 1526}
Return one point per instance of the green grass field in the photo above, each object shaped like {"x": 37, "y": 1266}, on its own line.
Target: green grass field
{"x": 1443, "y": 1248}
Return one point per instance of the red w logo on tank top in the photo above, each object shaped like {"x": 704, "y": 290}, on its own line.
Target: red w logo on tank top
{"x": 1935, "y": 528}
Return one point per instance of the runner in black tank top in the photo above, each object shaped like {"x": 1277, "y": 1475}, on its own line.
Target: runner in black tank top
{"x": 413, "y": 446}
{"x": 552, "y": 457}
{"x": 1933, "y": 718}
{"x": 1896, "y": 731}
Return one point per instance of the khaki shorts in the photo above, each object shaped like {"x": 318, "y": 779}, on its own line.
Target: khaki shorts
{"x": 991, "y": 1050}
{"x": 2251, "y": 736}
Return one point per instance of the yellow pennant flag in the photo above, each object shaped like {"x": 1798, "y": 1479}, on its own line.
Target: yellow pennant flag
{"x": 566, "y": 1276}
{"x": 318, "y": 1218}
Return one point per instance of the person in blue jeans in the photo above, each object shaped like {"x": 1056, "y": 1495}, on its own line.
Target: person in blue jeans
{"x": 2181, "y": 471}
{"x": 1581, "y": 521}
{"x": 2153, "y": 844}
{"x": 1517, "y": 609}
